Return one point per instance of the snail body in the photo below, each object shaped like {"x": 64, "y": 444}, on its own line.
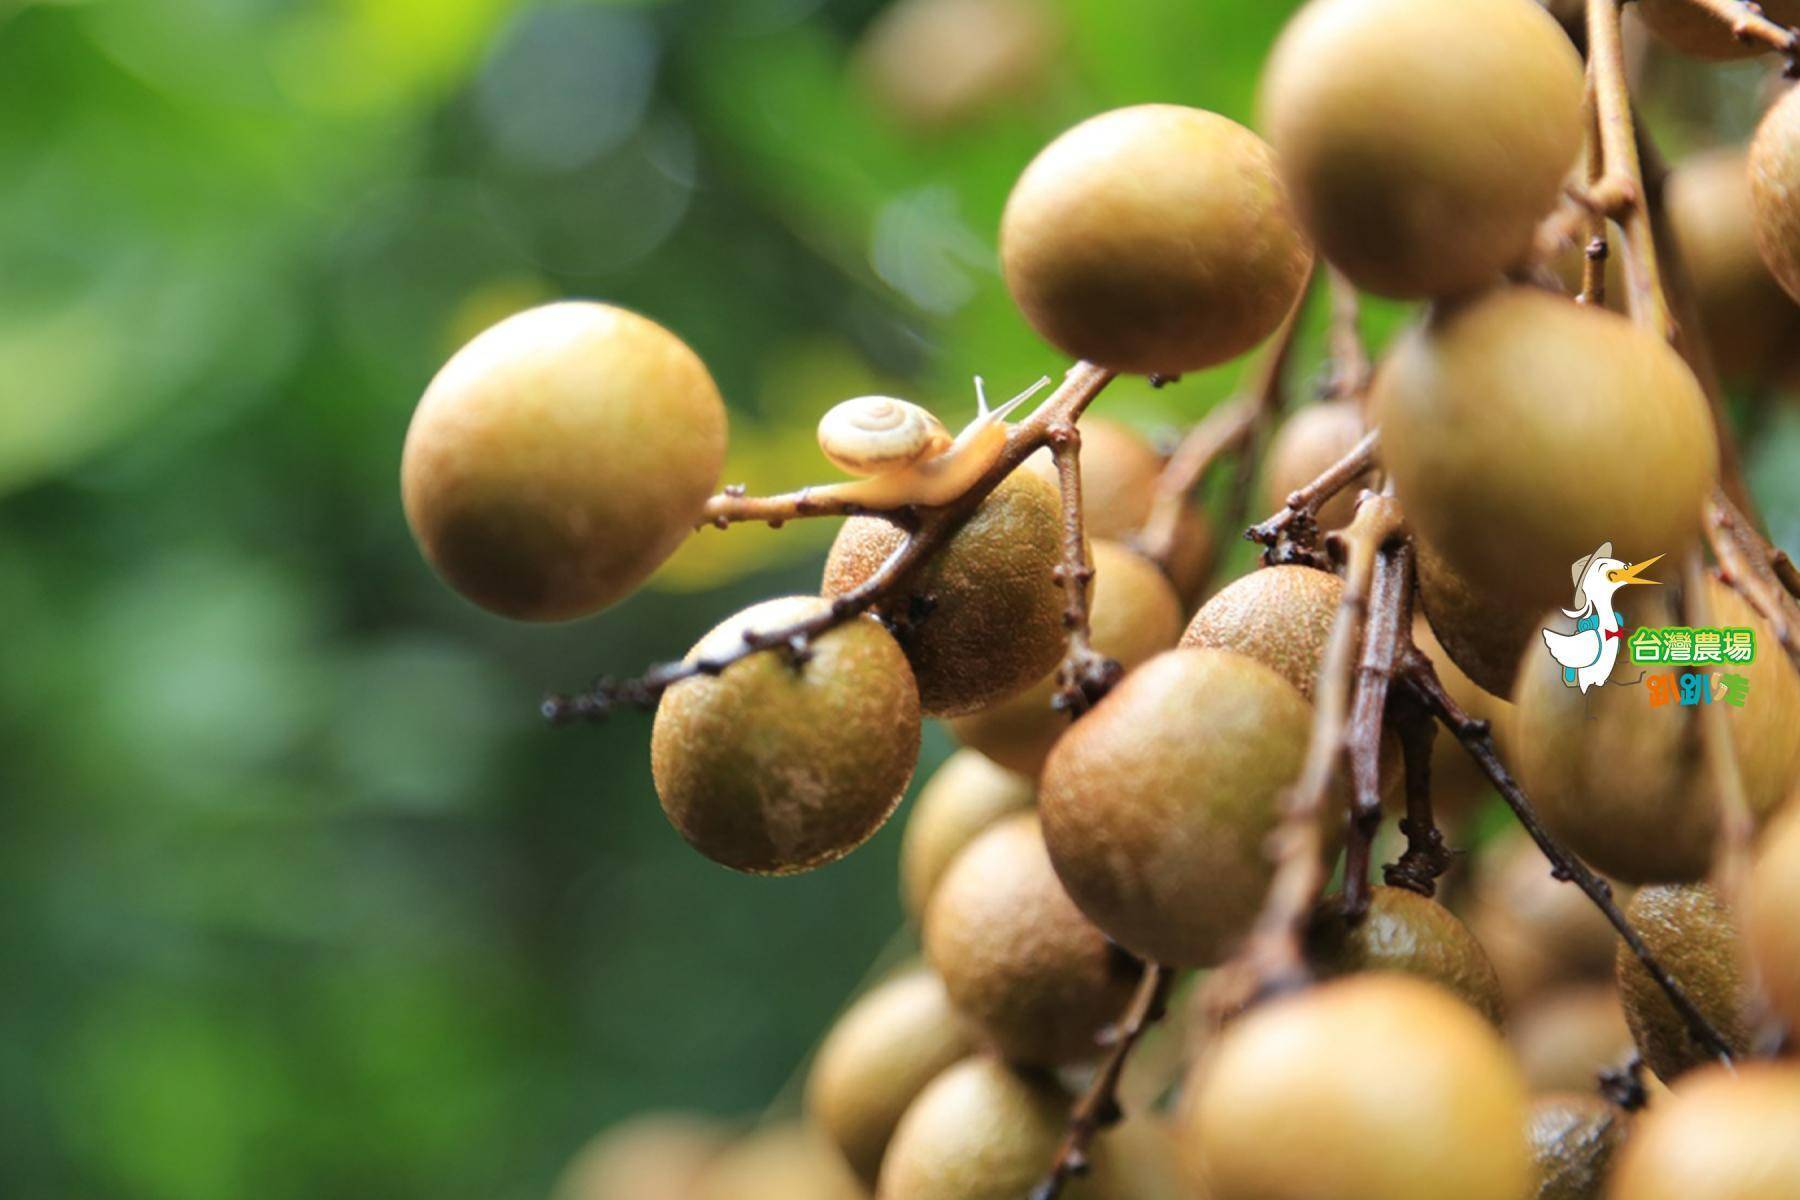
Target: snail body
{"x": 906, "y": 455}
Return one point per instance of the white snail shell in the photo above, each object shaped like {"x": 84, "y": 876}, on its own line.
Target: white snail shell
{"x": 875, "y": 435}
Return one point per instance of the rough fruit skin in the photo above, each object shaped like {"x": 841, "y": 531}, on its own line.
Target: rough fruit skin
{"x": 1692, "y": 935}
{"x": 1774, "y": 167}
{"x": 1133, "y": 614}
{"x": 786, "y": 1161}
{"x": 774, "y": 768}
{"x": 1411, "y": 934}
{"x": 1483, "y": 633}
{"x": 558, "y": 458}
{"x": 1574, "y": 1139}
{"x": 1773, "y": 902}
{"x": 1308, "y": 442}
{"x": 1625, "y": 785}
{"x": 965, "y": 796}
{"x": 1522, "y": 430}
{"x": 1153, "y": 239}
{"x": 1373, "y": 1087}
{"x": 1281, "y": 616}
{"x": 1691, "y": 30}
{"x": 1016, "y": 956}
{"x": 876, "y": 1060}
{"x": 980, "y": 1131}
{"x": 1749, "y": 323}
{"x": 982, "y": 620}
{"x": 656, "y": 1157}
{"x": 1422, "y": 140}
{"x": 1157, "y": 804}
{"x": 1719, "y": 1137}
{"x": 1567, "y": 1036}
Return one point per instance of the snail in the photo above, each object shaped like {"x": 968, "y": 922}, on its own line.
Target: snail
{"x": 907, "y": 455}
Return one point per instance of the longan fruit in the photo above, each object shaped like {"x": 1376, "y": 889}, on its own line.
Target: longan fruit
{"x": 1538, "y": 930}
{"x": 966, "y": 795}
{"x": 1483, "y": 633}
{"x": 1626, "y": 785}
{"x": 1119, "y": 473}
{"x": 558, "y": 458}
{"x": 1490, "y": 418}
{"x": 1156, "y": 805}
{"x": 1772, "y": 924}
{"x": 1566, "y": 1037}
{"x": 1690, "y": 932}
{"x": 778, "y": 765}
{"x": 1155, "y": 239}
{"x": 1774, "y": 167}
{"x": 1280, "y": 616}
{"x": 1306, "y": 444}
{"x": 1371, "y": 1087}
{"x": 983, "y": 619}
{"x": 981, "y": 1131}
{"x": 1133, "y": 613}
{"x": 876, "y": 1060}
{"x": 654, "y": 1157}
{"x": 1016, "y": 956}
{"x": 786, "y": 1161}
{"x": 1410, "y": 934}
{"x": 1725, "y": 1134}
{"x": 980, "y": 53}
{"x": 1574, "y": 1139}
{"x": 1423, "y": 141}
{"x": 1687, "y": 27}
{"x": 1751, "y": 325}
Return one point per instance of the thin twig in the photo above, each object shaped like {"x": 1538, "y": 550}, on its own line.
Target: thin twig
{"x": 1426, "y": 857}
{"x": 1748, "y": 24}
{"x": 934, "y": 529}
{"x": 1384, "y": 633}
{"x": 1421, "y": 677}
{"x": 1594, "y": 253}
{"x": 1620, "y": 190}
{"x": 1098, "y": 1106}
{"x": 1292, "y": 534}
{"x": 1085, "y": 674}
{"x": 1273, "y": 957}
{"x": 1748, "y": 566}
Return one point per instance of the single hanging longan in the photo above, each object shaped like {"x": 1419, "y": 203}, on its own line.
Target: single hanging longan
{"x": 1157, "y": 804}
{"x": 559, "y": 458}
{"x": 1374, "y": 1087}
{"x": 1485, "y": 633}
{"x": 1522, "y": 430}
{"x": 1411, "y": 934}
{"x": 1017, "y": 957}
{"x": 1690, "y": 932}
{"x": 781, "y": 763}
{"x": 1728, "y": 1133}
{"x": 1133, "y": 614}
{"x": 1423, "y": 141}
{"x": 1153, "y": 239}
{"x": 966, "y": 795}
{"x": 1774, "y": 166}
{"x": 877, "y": 1058}
{"x": 983, "y": 619}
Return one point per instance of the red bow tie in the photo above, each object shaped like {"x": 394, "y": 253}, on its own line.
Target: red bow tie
{"x": 1615, "y": 633}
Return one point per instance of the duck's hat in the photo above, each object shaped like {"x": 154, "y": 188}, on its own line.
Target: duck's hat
{"x": 1580, "y": 569}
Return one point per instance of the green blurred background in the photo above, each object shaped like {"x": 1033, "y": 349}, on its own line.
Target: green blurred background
{"x": 298, "y": 897}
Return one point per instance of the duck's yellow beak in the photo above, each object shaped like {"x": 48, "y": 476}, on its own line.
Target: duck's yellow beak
{"x": 1630, "y": 574}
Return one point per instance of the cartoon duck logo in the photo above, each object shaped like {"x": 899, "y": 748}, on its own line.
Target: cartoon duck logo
{"x": 1587, "y": 655}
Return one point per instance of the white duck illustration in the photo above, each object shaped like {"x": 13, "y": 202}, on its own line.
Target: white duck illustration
{"x": 1588, "y": 654}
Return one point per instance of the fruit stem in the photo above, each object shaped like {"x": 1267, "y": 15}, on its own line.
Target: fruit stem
{"x": 1098, "y": 1106}
{"x": 1292, "y": 534}
{"x": 1620, "y": 189}
{"x": 1594, "y": 253}
{"x": 1386, "y": 630}
{"x": 1748, "y": 24}
{"x": 929, "y": 530}
{"x": 1085, "y": 674}
{"x": 1421, "y": 677}
{"x": 1426, "y": 858}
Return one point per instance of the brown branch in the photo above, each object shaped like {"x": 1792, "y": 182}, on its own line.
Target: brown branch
{"x": 1098, "y": 1106}
{"x": 1748, "y": 565}
{"x": 1426, "y": 857}
{"x": 1085, "y": 674}
{"x": 1273, "y": 958}
{"x": 1749, "y": 25}
{"x": 1386, "y": 631}
{"x": 1292, "y": 534}
{"x": 1421, "y": 677}
{"x": 1620, "y": 188}
{"x": 1785, "y": 572}
{"x": 933, "y": 530}
{"x": 1594, "y": 253}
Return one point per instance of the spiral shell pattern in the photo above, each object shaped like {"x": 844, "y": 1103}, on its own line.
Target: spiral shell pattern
{"x": 873, "y": 435}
